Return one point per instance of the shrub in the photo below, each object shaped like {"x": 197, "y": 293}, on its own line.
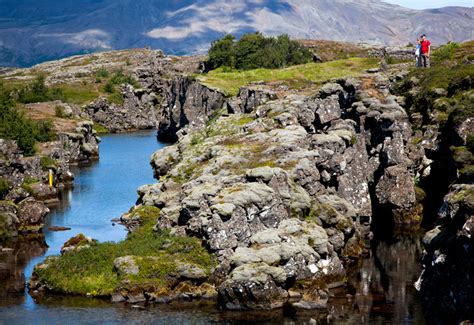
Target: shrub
{"x": 59, "y": 111}
{"x": 119, "y": 78}
{"x": 445, "y": 52}
{"x": 100, "y": 129}
{"x": 37, "y": 92}
{"x": 16, "y": 126}
{"x": 221, "y": 53}
{"x": 102, "y": 73}
{"x": 30, "y": 180}
{"x": 43, "y": 131}
{"x": 48, "y": 163}
{"x": 116, "y": 98}
{"x": 109, "y": 87}
{"x": 254, "y": 50}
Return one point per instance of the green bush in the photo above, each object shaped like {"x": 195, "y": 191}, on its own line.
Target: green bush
{"x": 109, "y": 87}
{"x": 470, "y": 143}
{"x": 445, "y": 52}
{"x": 119, "y": 78}
{"x": 59, "y": 111}
{"x": 16, "y": 126}
{"x": 102, "y": 73}
{"x": 254, "y": 50}
{"x": 116, "y": 98}
{"x": 48, "y": 163}
{"x": 37, "y": 92}
{"x": 30, "y": 180}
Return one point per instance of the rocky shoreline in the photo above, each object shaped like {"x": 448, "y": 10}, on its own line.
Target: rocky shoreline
{"x": 24, "y": 207}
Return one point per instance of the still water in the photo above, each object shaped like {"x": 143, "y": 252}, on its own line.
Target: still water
{"x": 379, "y": 291}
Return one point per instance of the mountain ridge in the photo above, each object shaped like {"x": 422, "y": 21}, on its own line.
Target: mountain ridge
{"x": 31, "y": 33}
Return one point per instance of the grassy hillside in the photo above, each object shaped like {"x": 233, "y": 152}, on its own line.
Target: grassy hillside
{"x": 298, "y": 77}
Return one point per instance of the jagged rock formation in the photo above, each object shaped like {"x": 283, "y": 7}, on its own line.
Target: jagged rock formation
{"x": 440, "y": 106}
{"x": 186, "y": 102}
{"x": 136, "y": 113}
{"x": 283, "y": 190}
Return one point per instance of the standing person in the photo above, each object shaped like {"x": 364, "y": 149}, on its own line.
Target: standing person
{"x": 418, "y": 53}
{"x": 425, "y": 51}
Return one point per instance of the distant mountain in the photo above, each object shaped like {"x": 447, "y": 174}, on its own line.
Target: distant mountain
{"x": 33, "y": 31}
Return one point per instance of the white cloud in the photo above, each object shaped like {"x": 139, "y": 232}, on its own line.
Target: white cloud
{"x": 424, "y": 4}
{"x": 90, "y": 38}
{"x": 215, "y": 16}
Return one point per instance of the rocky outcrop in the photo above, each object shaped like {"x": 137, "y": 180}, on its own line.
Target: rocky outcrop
{"x": 394, "y": 52}
{"x": 27, "y": 177}
{"x": 284, "y": 196}
{"x": 137, "y": 112}
{"x": 248, "y": 99}
{"x": 186, "y": 102}
{"x": 31, "y": 214}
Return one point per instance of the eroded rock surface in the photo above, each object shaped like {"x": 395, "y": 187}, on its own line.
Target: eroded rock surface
{"x": 284, "y": 194}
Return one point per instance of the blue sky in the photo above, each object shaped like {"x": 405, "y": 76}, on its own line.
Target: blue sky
{"x": 424, "y": 4}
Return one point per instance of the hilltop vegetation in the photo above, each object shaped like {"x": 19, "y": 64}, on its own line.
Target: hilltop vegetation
{"x": 253, "y": 51}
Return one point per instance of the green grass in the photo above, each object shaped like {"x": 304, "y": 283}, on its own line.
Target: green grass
{"x": 79, "y": 94}
{"x": 100, "y": 129}
{"x": 295, "y": 77}
{"x": 91, "y": 271}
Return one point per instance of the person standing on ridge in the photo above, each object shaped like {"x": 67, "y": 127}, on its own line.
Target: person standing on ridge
{"x": 425, "y": 51}
{"x": 418, "y": 53}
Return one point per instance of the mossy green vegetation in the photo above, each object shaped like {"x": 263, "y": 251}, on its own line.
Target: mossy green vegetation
{"x": 37, "y": 91}
{"x": 445, "y": 52}
{"x": 91, "y": 270}
{"x": 296, "y": 77}
{"x": 100, "y": 129}
{"x": 48, "y": 163}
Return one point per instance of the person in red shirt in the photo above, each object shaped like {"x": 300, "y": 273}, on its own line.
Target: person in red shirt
{"x": 425, "y": 51}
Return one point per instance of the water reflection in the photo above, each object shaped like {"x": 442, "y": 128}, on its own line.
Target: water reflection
{"x": 12, "y": 263}
{"x": 383, "y": 288}
{"x": 379, "y": 290}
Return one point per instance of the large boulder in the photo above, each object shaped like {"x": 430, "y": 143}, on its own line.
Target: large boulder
{"x": 31, "y": 214}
